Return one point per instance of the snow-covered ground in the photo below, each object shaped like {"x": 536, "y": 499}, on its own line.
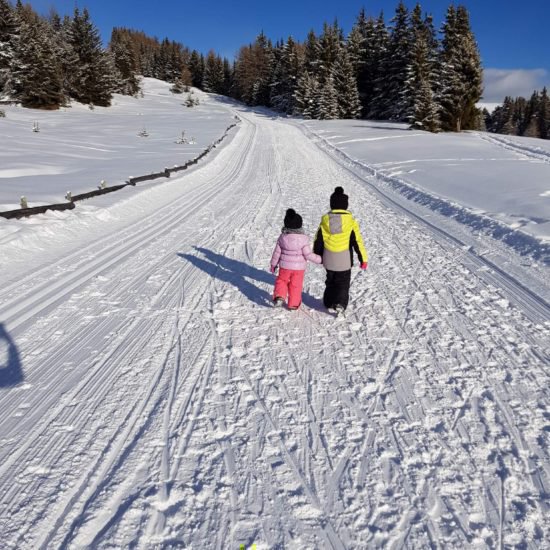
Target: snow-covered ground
{"x": 151, "y": 397}
{"x": 76, "y": 148}
{"x": 499, "y": 177}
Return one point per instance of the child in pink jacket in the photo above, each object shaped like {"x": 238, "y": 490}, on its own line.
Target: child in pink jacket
{"x": 291, "y": 254}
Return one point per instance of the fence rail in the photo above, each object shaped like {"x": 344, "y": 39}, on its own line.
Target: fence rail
{"x": 25, "y": 212}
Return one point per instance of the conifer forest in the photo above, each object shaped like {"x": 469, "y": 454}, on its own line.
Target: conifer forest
{"x": 403, "y": 69}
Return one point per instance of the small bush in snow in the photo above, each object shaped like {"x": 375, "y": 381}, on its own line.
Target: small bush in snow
{"x": 2, "y": 114}
{"x": 191, "y": 100}
{"x": 178, "y": 87}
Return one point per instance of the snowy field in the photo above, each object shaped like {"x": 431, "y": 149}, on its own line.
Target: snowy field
{"x": 500, "y": 177}
{"x": 151, "y": 397}
{"x": 76, "y": 148}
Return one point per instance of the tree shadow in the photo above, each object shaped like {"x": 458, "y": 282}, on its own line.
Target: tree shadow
{"x": 237, "y": 274}
{"x": 11, "y": 372}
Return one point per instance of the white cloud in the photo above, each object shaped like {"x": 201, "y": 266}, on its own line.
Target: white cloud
{"x": 513, "y": 82}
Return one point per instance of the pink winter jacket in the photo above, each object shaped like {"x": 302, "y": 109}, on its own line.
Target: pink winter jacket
{"x": 292, "y": 252}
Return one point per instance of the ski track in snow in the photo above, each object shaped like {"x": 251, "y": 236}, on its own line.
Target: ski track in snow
{"x": 167, "y": 404}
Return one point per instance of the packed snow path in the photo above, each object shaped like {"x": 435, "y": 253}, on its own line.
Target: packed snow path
{"x": 155, "y": 399}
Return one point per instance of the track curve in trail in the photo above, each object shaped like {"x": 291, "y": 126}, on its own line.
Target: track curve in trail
{"x": 165, "y": 403}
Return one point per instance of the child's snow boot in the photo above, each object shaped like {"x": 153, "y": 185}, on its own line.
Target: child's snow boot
{"x": 278, "y": 302}
{"x": 339, "y": 310}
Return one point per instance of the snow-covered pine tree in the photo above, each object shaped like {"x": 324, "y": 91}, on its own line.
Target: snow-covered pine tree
{"x": 311, "y": 54}
{"x": 264, "y": 58}
{"x": 529, "y": 126}
{"x": 345, "y": 84}
{"x": 95, "y": 79}
{"x": 64, "y": 52}
{"x": 328, "y": 99}
{"x": 177, "y": 87}
{"x": 397, "y": 105}
{"x": 196, "y": 66}
{"x": 8, "y": 36}
{"x": 161, "y": 61}
{"x": 227, "y": 77}
{"x": 285, "y": 78}
{"x": 461, "y": 73}
{"x": 426, "y": 110}
{"x": 371, "y": 82}
{"x": 544, "y": 114}
{"x": 331, "y": 42}
{"x": 359, "y": 41}
{"x": 424, "y": 113}
{"x": 213, "y": 80}
{"x": 36, "y": 72}
{"x": 125, "y": 62}
{"x": 355, "y": 44}
{"x": 307, "y": 96}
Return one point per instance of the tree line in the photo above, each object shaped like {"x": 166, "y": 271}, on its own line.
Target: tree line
{"x": 44, "y": 61}
{"x": 521, "y": 117}
{"x": 402, "y": 71}
{"x": 405, "y": 71}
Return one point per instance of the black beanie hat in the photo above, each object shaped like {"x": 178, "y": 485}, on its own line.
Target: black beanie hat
{"x": 339, "y": 200}
{"x": 292, "y": 220}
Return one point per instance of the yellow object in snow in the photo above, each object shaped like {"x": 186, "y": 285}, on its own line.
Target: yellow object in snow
{"x": 340, "y": 235}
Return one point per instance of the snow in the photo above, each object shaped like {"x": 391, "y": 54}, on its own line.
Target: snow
{"x": 76, "y": 148}
{"x": 504, "y": 179}
{"x": 151, "y": 396}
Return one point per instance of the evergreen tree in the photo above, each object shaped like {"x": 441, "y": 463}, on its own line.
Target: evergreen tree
{"x": 371, "y": 83}
{"x": 213, "y": 80}
{"x": 328, "y": 100}
{"x": 125, "y": 62}
{"x": 311, "y": 54}
{"x": 529, "y": 125}
{"x": 396, "y": 104}
{"x": 227, "y": 77}
{"x": 253, "y": 72}
{"x": 36, "y": 72}
{"x": 285, "y": 79}
{"x": 424, "y": 113}
{"x": 359, "y": 46}
{"x": 65, "y": 53}
{"x": 357, "y": 41}
{"x": 345, "y": 84}
{"x": 8, "y": 37}
{"x": 461, "y": 73}
{"x": 544, "y": 115}
{"x": 95, "y": 80}
{"x": 196, "y": 66}
{"x": 330, "y": 43}
{"x": 307, "y": 97}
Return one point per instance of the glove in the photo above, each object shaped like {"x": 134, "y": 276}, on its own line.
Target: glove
{"x": 273, "y": 269}
{"x": 364, "y": 265}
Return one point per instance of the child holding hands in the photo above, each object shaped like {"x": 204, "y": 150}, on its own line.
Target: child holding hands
{"x": 291, "y": 254}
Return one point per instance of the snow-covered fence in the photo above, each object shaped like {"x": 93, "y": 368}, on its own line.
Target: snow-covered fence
{"x": 102, "y": 190}
{"x": 167, "y": 171}
{"x": 25, "y": 212}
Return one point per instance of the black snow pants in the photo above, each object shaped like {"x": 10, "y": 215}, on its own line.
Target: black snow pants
{"x": 337, "y": 288}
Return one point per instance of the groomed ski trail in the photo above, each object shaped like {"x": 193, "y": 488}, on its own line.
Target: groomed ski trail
{"x": 165, "y": 403}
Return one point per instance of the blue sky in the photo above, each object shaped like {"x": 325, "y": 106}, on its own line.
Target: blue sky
{"x": 512, "y": 35}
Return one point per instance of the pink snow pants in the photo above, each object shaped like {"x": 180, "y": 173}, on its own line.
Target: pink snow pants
{"x": 289, "y": 283}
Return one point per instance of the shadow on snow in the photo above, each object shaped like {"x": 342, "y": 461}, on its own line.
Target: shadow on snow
{"x": 11, "y": 372}
{"x": 240, "y": 275}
